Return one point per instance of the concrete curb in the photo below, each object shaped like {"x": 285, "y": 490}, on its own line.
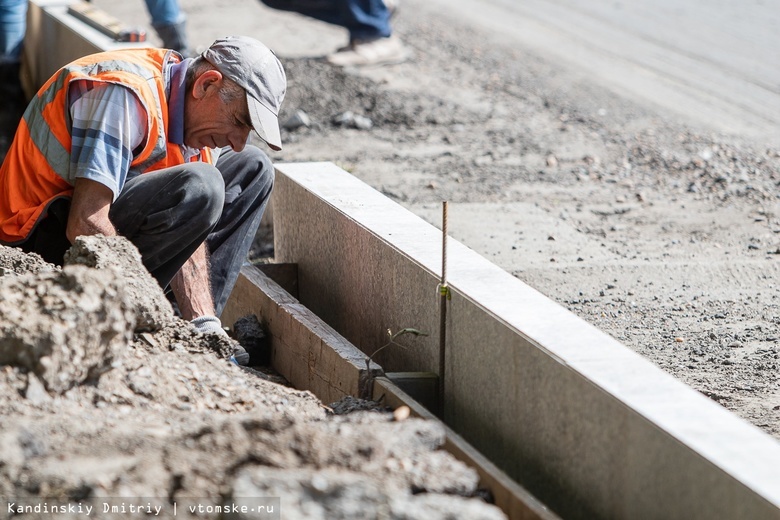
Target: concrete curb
{"x": 587, "y": 425}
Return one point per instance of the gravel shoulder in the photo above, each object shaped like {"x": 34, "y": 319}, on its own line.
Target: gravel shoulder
{"x": 662, "y": 234}
{"x": 659, "y": 230}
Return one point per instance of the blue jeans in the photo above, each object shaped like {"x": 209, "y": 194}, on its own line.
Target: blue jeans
{"x": 13, "y": 23}
{"x": 164, "y": 12}
{"x": 364, "y": 19}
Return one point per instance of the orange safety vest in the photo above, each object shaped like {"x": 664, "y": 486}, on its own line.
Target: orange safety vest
{"x": 34, "y": 171}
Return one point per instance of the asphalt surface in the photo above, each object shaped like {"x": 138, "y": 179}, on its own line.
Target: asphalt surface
{"x": 712, "y": 62}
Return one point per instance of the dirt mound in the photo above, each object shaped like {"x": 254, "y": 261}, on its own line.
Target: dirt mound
{"x": 15, "y": 261}
{"x": 96, "y": 407}
{"x": 153, "y": 309}
{"x": 65, "y": 327}
{"x": 361, "y": 96}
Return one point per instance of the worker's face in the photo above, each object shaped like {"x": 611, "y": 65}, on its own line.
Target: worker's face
{"x": 209, "y": 121}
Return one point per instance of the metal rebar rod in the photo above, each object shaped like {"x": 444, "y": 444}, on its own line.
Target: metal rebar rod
{"x": 443, "y": 296}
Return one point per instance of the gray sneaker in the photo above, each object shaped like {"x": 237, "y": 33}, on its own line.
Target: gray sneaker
{"x": 392, "y": 8}
{"x": 364, "y": 53}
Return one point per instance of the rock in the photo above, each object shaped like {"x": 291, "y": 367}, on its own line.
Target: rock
{"x": 343, "y": 119}
{"x": 35, "y": 391}
{"x": 333, "y": 494}
{"x": 401, "y": 413}
{"x": 153, "y": 309}
{"x": 250, "y": 334}
{"x": 329, "y": 494}
{"x": 297, "y": 120}
{"x": 439, "y": 472}
{"x": 427, "y": 506}
{"x": 349, "y": 404}
{"x": 12, "y": 453}
{"x": 66, "y": 327}
{"x": 351, "y": 120}
{"x": 14, "y": 261}
{"x": 311, "y": 494}
{"x": 363, "y": 123}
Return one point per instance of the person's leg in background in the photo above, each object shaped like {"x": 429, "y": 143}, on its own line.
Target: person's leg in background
{"x": 170, "y": 23}
{"x": 329, "y": 11}
{"x": 13, "y": 23}
{"x": 371, "y": 39}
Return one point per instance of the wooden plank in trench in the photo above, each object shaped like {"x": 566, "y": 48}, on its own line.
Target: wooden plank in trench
{"x": 313, "y": 356}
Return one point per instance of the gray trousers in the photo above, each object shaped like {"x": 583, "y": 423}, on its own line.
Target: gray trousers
{"x": 169, "y": 213}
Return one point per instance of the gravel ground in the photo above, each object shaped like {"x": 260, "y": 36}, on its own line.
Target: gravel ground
{"x": 661, "y": 233}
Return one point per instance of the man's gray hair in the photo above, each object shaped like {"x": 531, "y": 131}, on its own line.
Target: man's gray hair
{"x": 230, "y": 90}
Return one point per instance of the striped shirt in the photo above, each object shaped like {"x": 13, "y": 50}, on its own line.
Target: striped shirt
{"x": 108, "y": 124}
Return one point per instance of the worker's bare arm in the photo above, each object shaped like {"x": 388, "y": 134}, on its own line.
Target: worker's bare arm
{"x": 191, "y": 286}
{"x": 89, "y": 210}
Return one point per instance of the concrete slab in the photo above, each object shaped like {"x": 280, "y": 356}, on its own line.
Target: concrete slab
{"x": 308, "y": 347}
{"x": 590, "y": 427}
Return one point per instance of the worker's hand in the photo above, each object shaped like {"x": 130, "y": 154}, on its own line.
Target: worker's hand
{"x": 209, "y": 324}
{"x": 212, "y": 325}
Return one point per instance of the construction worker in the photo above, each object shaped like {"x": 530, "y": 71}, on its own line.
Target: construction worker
{"x": 143, "y": 143}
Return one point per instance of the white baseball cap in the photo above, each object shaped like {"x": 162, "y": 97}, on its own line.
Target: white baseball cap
{"x": 258, "y": 71}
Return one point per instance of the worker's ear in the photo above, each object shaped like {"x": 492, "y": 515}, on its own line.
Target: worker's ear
{"x": 206, "y": 82}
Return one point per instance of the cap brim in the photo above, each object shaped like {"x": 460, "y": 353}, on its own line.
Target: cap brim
{"x": 265, "y": 123}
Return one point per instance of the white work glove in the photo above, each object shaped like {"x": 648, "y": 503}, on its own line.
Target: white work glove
{"x": 212, "y": 325}
{"x": 209, "y": 324}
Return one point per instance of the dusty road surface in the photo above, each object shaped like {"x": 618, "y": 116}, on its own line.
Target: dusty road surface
{"x": 622, "y": 160}
{"x": 708, "y": 62}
